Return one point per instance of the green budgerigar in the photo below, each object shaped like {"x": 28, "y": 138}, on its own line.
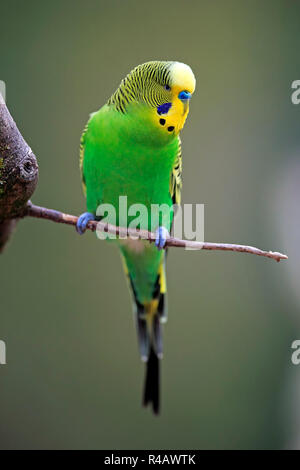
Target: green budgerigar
{"x": 131, "y": 147}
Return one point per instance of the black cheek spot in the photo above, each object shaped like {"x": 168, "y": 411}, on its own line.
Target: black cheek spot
{"x": 171, "y": 128}
{"x": 162, "y": 122}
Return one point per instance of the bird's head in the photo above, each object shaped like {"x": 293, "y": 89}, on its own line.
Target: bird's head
{"x": 164, "y": 88}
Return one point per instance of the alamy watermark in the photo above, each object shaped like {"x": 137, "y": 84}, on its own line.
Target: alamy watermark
{"x": 295, "y": 96}
{"x": 3, "y": 89}
{"x": 187, "y": 221}
{"x": 295, "y": 358}
{"x": 2, "y": 353}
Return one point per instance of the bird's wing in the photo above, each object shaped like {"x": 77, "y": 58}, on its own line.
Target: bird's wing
{"x": 176, "y": 177}
{"x": 81, "y": 156}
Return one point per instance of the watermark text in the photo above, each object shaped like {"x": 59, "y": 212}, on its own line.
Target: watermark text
{"x": 2, "y": 89}
{"x": 2, "y": 353}
{"x": 295, "y": 358}
{"x": 295, "y": 96}
{"x": 186, "y": 221}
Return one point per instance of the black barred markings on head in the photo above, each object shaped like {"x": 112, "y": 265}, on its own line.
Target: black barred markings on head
{"x": 149, "y": 83}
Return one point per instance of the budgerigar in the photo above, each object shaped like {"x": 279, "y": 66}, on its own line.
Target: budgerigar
{"x": 131, "y": 147}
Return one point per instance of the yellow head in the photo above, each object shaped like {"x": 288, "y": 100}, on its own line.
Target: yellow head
{"x": 182, "y": 86}
{"x": 165, "y": 87}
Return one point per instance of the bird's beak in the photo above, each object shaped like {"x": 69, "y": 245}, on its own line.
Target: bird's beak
{"x": 185, "y": 97}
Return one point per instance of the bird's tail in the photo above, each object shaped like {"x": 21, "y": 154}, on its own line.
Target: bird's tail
{"x": 152, "y": 383}
{"x": 149, "y": 331}
{"x": 149, "y": 319}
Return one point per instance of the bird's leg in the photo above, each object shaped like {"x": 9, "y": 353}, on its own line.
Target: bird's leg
{"x": 83, "y": 220}
{"x": 161, "y": 236}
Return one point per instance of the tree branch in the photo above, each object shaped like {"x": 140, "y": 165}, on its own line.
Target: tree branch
{"x": 18, "y": 179}
{"x": 60, "y": 217}
{"x": 18, "y": 173}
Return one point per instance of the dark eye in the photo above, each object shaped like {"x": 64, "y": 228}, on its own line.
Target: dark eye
{"x": 167, "y": 87}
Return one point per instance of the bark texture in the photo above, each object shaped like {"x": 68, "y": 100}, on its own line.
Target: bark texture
{"x": 18, "y": 174}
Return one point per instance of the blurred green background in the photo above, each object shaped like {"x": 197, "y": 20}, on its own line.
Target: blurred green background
{"x": 74, "y": 378}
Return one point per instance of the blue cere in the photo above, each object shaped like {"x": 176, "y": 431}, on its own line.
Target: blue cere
{"x": 82, "y": 222}
{"x": 161, "y": 236}
{"x": 184, "y": 95}
{"x": 164, "y": 108}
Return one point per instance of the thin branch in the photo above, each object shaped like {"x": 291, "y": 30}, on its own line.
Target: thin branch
{"x": 60, "y": 217}
{"x": 19, "y": 176}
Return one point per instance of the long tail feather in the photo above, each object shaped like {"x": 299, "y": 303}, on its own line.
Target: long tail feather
{"x": 152, "y": 385}
{"x": 157, "y": 336}
{"x": 149, "y": 317}
{"x": 143, "y": 337}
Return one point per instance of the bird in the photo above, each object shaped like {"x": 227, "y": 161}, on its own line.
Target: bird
{"x": 131, "y": 147}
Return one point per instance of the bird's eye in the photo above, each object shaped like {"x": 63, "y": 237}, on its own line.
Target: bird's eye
{"x": 167, "y": 87}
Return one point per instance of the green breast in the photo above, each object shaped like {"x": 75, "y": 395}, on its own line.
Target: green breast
{"x": 127, "y": 155}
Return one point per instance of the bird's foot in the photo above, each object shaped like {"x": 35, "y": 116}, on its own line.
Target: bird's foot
{"x": 82, "y": 222}
{"x": 161, "y": 236}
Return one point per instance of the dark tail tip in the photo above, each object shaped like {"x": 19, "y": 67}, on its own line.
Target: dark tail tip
{"x": 151, "y": 387}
